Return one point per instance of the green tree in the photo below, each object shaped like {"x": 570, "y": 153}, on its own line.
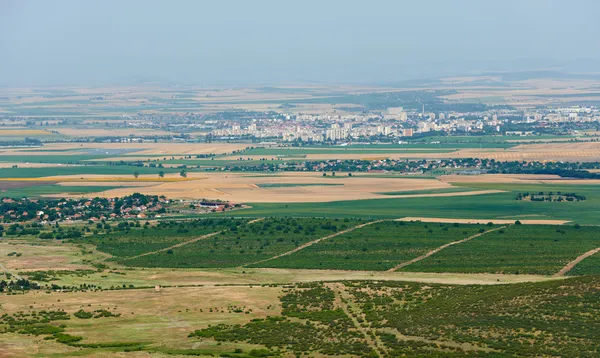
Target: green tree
{"x": 161, "y": 174}
{"x": 136, "y": 174}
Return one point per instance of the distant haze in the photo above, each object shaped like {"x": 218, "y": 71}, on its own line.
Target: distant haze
{"x": 252, "y": 42}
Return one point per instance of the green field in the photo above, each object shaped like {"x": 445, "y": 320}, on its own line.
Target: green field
{"x": 246, "y": 244}
{"x": 589, "y": 266}
{"x": 380, "y": 246}
{"x": 44, "y": 189}
{"x": 518, "y": 249}
{"x": 81, "y": 170}
{"x": 131, "y": 240}
{"x": 515, "y": 249}
{"x": 485, "y": 207}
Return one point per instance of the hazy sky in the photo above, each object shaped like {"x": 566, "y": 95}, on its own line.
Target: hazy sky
{"x": 254, "y": 41}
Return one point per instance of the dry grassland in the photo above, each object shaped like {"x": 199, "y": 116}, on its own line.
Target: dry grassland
{"x": 166, "y": 316}
{"x": 40, "y": 256}
{"x": 258, "y": 276}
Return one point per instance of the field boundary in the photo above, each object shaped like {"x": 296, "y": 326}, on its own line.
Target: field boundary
{"x": 184, "y": 243}
{"x": 568, "y": 267}
{"x": 434, "y": 251}
{"x": 310, "y": 243}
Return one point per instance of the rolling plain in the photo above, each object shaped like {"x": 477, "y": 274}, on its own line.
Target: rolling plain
{"x": 374, "y": 263}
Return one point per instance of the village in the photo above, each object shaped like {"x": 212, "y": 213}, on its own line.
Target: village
{"x": 134, "y": 206}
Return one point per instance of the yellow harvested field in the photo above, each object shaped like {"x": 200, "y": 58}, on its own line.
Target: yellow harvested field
{"x": 484, "y": 221}
{"x": 100, "y": 132}
{"x": 290, "y": 187}
{"x": 515, "y": 178}
{"x": 141, "y": 148}
{"x": 103, "y": 183}
{"x": 23, "y": 132}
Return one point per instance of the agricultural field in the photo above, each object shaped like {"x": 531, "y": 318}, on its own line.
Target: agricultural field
{"x": 492, "y": 201}
{"x": 518, "y": 249}
{"x": 244, "y": 244}
{"x": 105, "y": 170}
{"x": 22, "y": 132}
{"x": 349, "y": 244}
{"x": 41, "y": 189}
{"x": 588, "y": 266}
{"x": 323, "y": 258}
{"x": 430, "y": 191}
{"x": 167, "y": 288}
{"x": 376, "y": 247}
{"x": 134, "y": 239}
{"x": 287, "y": 187}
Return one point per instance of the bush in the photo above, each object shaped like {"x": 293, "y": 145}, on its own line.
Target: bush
{"x": 83, "y": 314}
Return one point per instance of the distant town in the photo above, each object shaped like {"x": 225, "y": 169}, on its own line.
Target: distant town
{"x": 394, "y": 123}
{"x": 390, "y": 125}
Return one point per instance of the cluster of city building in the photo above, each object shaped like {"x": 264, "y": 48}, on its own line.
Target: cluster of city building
{"x": 397, "y": 123}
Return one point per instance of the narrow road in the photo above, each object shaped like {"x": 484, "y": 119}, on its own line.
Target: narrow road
{"x": 568, "y": 267}
{"x": 203, "y": 237}
{"x": 313, "y": 242}
{"x": 403, "y": 264}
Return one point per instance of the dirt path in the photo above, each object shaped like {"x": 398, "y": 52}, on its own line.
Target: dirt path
{"x": 568, "y": 267}
{"x": 341, "y": 299}
{"x": 3, "y": 268}
{"x": 203, "y": 237}
{"x": 175, "y": 246}
{"x": 314, "y": 242}
{"x": 403, "y": 264}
